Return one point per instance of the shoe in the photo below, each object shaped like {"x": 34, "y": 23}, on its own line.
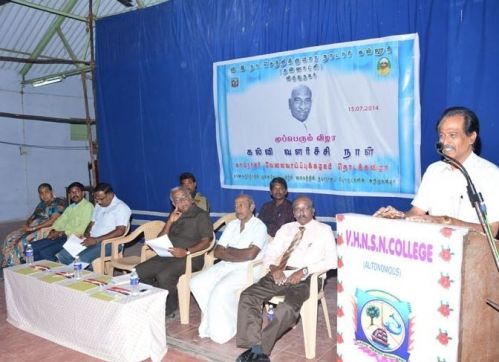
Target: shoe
{"x": 260, "y": 357}
{"x": 171, "y": 316}
{"x": 246, "y": 356}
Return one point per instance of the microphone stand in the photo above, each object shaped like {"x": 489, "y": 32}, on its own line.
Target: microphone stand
{"x": 477, "y": 202}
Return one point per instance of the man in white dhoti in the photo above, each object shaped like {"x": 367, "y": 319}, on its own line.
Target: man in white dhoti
{"x": 217, "y": 289}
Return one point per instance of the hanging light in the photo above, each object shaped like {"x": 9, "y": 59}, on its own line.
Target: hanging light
{"x": 47, "y": 81}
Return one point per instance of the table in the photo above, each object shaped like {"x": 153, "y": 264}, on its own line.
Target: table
{"x": 126, "y": 329}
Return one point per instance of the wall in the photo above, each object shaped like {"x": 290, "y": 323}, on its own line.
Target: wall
{"x": 155, "y": 90}
{"x": 22, "y": 169}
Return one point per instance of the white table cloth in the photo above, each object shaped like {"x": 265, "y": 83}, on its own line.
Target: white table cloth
{"x": 128, "y": 329}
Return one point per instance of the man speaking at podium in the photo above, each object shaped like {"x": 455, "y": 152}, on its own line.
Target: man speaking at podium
{"x": 442, "y": 196}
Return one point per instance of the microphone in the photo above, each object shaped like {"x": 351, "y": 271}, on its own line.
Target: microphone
{"x": 477, "y": 202}
{"x": 475, "y": 197}
{"x": 451, "y": 161}
{"x": 439, "y": 146}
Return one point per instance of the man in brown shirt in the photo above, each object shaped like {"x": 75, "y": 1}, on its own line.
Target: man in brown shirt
{"x": 190, "y": 229}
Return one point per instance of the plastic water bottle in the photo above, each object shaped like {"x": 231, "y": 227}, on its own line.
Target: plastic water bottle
{"x": 77, "y": 268}
{"x": 29, "y": 254}
{"x": 270, "y": 313}
{"x": 134, "y": 282}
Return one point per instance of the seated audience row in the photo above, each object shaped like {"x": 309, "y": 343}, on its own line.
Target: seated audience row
{"x": 300, "y": 247}
{"x": 216, "y": 289}
{"x": 108, "y": 219}
{"x": 45, "y": 214}
{"x": 190, "y": 229}
{"x": 74, "y": 220}
{"x": 79, "y": 218}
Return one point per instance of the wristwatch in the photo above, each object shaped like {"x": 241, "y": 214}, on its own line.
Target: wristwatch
{"x": 305, "y": 271}
{"x": 447, "y": 220}
{"x": 187, "y": 251}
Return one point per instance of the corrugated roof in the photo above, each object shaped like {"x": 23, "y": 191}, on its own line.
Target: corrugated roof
{"x": 30, "y": 29}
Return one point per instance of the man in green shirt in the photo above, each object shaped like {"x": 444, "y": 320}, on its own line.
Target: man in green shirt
{"x": 74, "y": 220}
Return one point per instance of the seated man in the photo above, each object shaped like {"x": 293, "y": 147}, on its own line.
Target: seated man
{"x": 74, "y": 220}
{"x": 216, "y": 289}
{"x": 109, "y": 220}
{"x": 298, "y": 249}
{"x": 188, "y": 181}
{"x": 279, "y": 211}
{"x": 189, "y": 228}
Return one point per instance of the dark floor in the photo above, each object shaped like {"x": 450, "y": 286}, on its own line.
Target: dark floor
{"x": 183, "y": 341}
{"x": 289, "y": 348}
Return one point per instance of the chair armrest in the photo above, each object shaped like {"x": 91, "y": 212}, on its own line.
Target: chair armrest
{"x": 198, "y": 253}
{"x": 250, "y": 271}
{"x": 146, "y": 253}
{"x": 103, "y": 244}
{"x": 321, "y": 274}
{"x": 209, "y": 259}
{"x": 188, "y": 261}
{"x": 250, "y": 274}
{"x": 102, "y": 260}
{"x": 116, "y": 242}
{"x": 314, "y": 283}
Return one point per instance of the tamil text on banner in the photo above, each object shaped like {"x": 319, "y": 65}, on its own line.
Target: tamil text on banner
{"x": 335, "y": 119}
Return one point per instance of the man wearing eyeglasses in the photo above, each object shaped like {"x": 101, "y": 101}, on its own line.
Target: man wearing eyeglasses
{"x": 299, "y": 248}
{"x": 190, "y": 229}
{"x": 109, "y": 220}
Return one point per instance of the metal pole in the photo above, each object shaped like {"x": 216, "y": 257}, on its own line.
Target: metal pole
{"x": 45, "y": 118}
{"x": 92, "y": 149}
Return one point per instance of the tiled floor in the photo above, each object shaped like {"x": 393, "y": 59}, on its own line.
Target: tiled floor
{"x": 183, "y": 341}
{"x": 289, "y": 348}
{"x": 17, "y": 345}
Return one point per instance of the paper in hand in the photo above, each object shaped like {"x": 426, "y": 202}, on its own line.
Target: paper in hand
{"x": 161, "y": 245}
{"x": 73, "y": 245}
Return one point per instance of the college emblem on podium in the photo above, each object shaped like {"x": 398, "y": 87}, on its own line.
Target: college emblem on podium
{"x": 382, "y": 324}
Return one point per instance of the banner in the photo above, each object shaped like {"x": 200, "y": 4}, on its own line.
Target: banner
{"x": 336, "y": 119}
{"x": 398, "y": 290}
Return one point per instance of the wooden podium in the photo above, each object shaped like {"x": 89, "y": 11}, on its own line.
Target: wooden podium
{"x": 479, "y": 328}
{"x": 412, "y": 291}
